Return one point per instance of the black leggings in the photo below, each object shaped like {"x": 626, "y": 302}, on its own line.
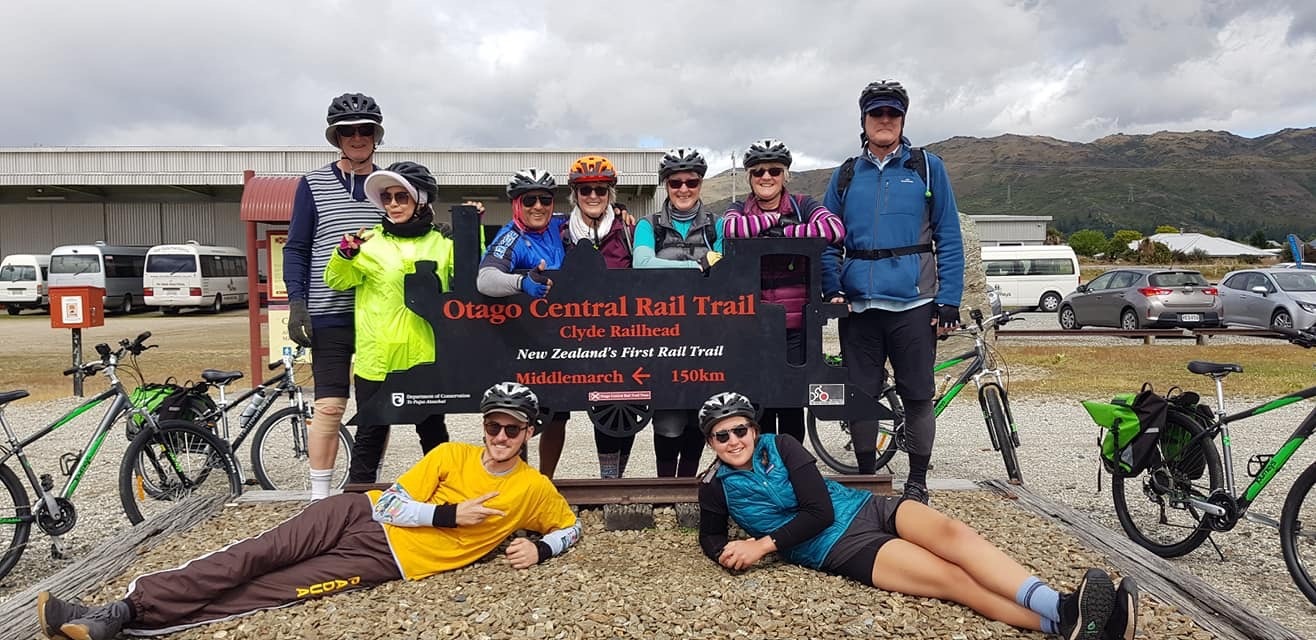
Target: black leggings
{"x": 679, "y": 456}
{"x": 372, "y": 440}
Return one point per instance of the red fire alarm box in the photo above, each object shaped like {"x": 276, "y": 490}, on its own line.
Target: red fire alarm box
{"x": 77, "y": 307}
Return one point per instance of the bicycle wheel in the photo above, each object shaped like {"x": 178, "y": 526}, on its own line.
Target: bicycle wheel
{"x": 15, "y": 521}
{"x": 165, "y": 465}
{"x": 998, "y": 423}
{"x": 279, "y": 454}
{"x": 1153, "y": 506}
{"x": 1297, "y": 533}
{"x": 832, "y": 442}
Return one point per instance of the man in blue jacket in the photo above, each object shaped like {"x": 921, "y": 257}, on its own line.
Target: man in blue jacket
{"x": 902, "y": 272}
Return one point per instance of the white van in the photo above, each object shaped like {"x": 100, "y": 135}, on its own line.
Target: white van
{"x": 194, "y": 275}
{"x": 23, "y": 282}
{"x": 115, "y": 268}
{"x": 1031, "y": 276}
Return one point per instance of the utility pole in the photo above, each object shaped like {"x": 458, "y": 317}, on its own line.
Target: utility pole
{"x": 733, "y": 175}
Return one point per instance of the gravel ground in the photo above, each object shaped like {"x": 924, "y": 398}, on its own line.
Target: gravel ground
{"x": 1058, "y": 459}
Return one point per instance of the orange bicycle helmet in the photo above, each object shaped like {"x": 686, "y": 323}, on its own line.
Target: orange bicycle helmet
{"x": 592, "y": 169}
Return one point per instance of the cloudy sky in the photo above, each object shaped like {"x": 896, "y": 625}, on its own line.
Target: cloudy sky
{"x": 716, "y": 75}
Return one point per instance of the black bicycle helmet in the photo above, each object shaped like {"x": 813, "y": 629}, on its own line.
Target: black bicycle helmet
{"x": 767, "y": 150}
{"x": 353, "y": 108}
{"x": 724, "y": 405}
{"x": 883, "y": 93}
{"x": 682, "y": 159}
{"x": 512, "y": 398}
{"x": 531, "y": 179}
{"x": 419, "y": 177}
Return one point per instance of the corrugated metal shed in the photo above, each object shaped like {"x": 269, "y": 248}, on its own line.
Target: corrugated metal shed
{"x": 1214, "y": 247}
{"x": 998, "y": 229}
{"x": 224, "y": 165}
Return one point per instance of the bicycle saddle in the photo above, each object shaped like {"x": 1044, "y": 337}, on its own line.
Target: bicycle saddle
{"x": 1212, "y": 368}
{"x": 10, "y": 396}
{"x": 220, "y": 377}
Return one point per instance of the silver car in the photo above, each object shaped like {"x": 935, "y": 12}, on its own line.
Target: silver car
{"x": 1265, "y": 297}
{"x": 1139, "y": 298}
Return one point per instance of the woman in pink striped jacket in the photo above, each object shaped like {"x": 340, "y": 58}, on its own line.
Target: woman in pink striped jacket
{"x": 770, "y": 211}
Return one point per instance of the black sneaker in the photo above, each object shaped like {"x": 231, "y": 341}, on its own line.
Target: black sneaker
{"x": 916, "y": 491}
{"x": 1123, "y": 623}
{"x": 53, "y": 612}
{"x": 1084, "y": 613}
{"x": 101, "y": 623}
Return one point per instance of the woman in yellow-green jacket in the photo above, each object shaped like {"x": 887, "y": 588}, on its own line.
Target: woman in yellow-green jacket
{"x": 389, "y": 336}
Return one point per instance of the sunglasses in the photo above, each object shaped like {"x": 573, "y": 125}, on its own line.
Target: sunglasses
{"x": 401, "y": 197}
{"x": 348, "y": 130}
{"x": 885, "y": 112}
{"x": 772, "y": 171}
{"x": 491, "y": 429}
{"x": 740, "y": 431}
{"x": 588, "y": 191}
{"x": 692, "y": 183}
{"x": 530, "y": 200}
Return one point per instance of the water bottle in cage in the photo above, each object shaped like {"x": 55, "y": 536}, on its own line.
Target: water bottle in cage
{"x": 249, "y": 411}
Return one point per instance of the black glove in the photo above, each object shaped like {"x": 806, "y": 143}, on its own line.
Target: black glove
{"x": 444, "y": 228}
{"x": 299, "y": 323}
{"x": 947, "y": 316}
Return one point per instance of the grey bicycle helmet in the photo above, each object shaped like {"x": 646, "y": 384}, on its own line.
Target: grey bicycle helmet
{"x": 724, "y": 405}
{"x": 419, "y": 176}
{"x": 512, "y": 398}
{"x": 884, "y": 93}
{"x": 767, "y": 150}
{"x": 682, "y": 159}
{"x": 353, "y": 108}
{"x": 531, "y": 179}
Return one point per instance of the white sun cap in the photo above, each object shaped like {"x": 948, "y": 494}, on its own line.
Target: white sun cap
{"x": 380, "y": 180}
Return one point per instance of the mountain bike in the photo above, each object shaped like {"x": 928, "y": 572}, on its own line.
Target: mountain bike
{"x": 165, "y": 462}
{"x": 279, "y": 456}
{"x": 832, "y": 441}
{"x": 1187, "y": 492}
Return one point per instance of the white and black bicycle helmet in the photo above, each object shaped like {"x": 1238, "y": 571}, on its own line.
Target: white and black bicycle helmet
{"x": 512, "y": 398}
{"x": 724, "y": 405}
{"x": 353, "y": 108}
{"x": 531, "y": 179}
{"x": 767, "y": 150}
{"x": 682, "y": 159}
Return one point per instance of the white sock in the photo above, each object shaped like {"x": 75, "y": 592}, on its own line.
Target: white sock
{"x": 320, "y": 481}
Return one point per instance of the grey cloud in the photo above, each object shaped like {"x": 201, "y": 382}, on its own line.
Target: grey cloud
{"x": 714, "y": 75}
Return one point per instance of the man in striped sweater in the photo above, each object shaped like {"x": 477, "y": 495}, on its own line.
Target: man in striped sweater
{"x": 331, "y": 202}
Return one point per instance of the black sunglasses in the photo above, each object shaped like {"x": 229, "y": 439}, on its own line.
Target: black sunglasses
{"x": 725, "y": 436}
{"x": 401, "y": 197}
{"x": 530, "y": 200}
{"x": 512, "y": 430}
{"x": 772, "y": 171}
{"x": 588, "y": 190}
{"x": 885, "y": 112}
{"x": 692, "y": 183}
{"x": 364, "y": 130}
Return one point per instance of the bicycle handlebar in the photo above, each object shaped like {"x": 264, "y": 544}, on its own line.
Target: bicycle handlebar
{"x": 1299, "y": 337}
{"x": 296, "y": 355}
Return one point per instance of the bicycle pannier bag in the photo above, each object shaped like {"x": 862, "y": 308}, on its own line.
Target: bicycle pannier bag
{"x": 1133, "y": 424}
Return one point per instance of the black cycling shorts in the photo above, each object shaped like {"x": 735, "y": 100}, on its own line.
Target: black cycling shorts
{"x": 331, "y": 360}
{"x": 855, "y": 551}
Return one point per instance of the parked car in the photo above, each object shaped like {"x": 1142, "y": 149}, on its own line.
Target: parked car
{"x": 1283, "y": 297}
{"x": 1139, "y": 298}
{"x": 23, "y": 282}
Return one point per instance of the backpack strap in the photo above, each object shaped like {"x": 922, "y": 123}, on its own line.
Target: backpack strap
{"x": 918, "y": 163}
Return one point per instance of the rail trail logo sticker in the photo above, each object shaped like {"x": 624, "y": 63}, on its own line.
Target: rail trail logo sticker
{"x": 619, "y": 396}
{"x": 399, "y": 399}
{"x": 827, "y": 394}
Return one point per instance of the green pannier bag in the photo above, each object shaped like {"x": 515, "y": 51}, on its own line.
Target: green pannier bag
{"x": 1132, "y": 424}
{"x": 169, "y": 401}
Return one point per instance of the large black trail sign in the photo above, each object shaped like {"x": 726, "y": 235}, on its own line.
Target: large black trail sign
{"x": 619, "y": 343}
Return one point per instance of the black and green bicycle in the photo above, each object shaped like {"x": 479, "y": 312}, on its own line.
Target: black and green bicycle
{"x": 982, "y": 366}
{"x": 167, "y": 461}
{"x": 1187, "y": 492}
